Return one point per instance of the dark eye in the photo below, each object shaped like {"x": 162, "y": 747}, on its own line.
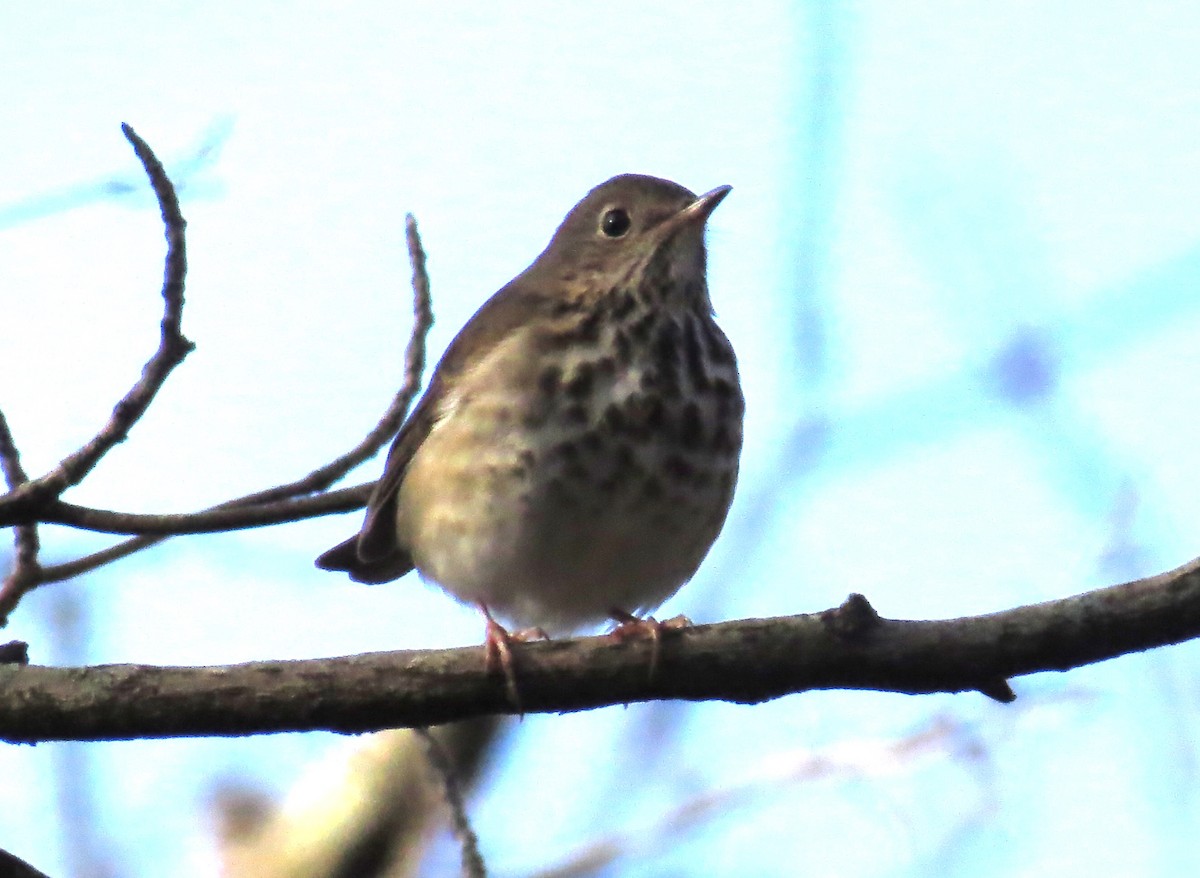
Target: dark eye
{"x": 615, "y": 222}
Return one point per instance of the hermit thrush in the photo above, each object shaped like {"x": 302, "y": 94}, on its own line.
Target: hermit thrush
{"x": 575, "y": 454}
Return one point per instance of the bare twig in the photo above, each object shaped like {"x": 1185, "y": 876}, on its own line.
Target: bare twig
{"x": 439, "y": 759}
{"x": 70, "y": 569}
{"x": 227, "y": 517}
{"x": 173, "y": 347}
{"x": 743, "y": 662}
{"x": 10, "y": 458}
{"x": 26, "y": 569}
{"x": 275, "y": 505}
{"x": 389, "y": 424}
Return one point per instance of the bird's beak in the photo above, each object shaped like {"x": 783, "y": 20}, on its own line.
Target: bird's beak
{"x": 700, "y": 209}
{"x": 697, "y": 213}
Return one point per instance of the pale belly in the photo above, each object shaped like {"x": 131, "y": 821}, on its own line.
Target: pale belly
{"x": 555, "y": 517}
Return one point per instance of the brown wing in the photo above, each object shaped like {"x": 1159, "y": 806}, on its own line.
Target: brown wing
{"x": 377, "y": 539}
{"x": 375, "y": 554}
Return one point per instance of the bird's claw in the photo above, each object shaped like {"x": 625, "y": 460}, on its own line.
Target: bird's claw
{"x": 630, "y": 626}
{"x": 498, "y": 653}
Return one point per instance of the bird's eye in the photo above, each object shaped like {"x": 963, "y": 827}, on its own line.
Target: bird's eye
{"x": 615, "y": 222}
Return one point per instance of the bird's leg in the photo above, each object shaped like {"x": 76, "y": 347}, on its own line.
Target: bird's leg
{"x": 629, "y": 626}
{"x": 498, "y": 653}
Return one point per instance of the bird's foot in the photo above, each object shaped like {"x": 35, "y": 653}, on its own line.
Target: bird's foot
{"x": 498, "y": 653}
{"x": 630, "y": 626}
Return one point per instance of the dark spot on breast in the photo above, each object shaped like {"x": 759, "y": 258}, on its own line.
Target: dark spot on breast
{"x": 730, "y": 404}
{"x": 624, "y": 458}
{"x": 592, "y": 441}
{"x": 614, "y": 419}
{"x": 727, "y": 440}
{"x": 588, "y": 330}
{"x": 723, "y": 389}
{"x": 720, "y": 439}
{"x": 691, "y": 427}
{"x": 641, "y": 329}
{"x": 656, "y": 414}
{"x": 731, "y": 409}
{"x": 536, "y": 417}
{"x": 678, "y": 468}
{"x": 624, "y": 349}
{"x": 666, "y": 343}
{"x": 557, "y": 489}
{"x": 567, "y": 450}
{"x": 624, "y": 304}
{"x": 652, "y": 488}
{"x": 606, "y": 367}
{"x": 548, "y": 380}
{"x": 576, "y": 472}
{"x": 697, "y": 373}
{"x": 579, "y": 387}
{"x": 666, "y": 355}
{"x": 644, "y": 416}
{"x": 576, "y": 414}
{"x": 522, "y": 467}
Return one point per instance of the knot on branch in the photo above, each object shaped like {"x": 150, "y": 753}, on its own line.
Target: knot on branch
{"x": 15, "y": 652}
{"x": 998, "y": 690}
{"x": 853, "y": 620}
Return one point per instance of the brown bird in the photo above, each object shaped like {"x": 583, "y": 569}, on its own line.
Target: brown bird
{"x": 575, "y": 454}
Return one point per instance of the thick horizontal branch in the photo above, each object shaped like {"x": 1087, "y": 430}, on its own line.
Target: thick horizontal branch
{"x": 744, "y": 662}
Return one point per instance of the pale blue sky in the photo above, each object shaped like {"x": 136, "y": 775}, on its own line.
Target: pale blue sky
{"x": 932, "y": 202}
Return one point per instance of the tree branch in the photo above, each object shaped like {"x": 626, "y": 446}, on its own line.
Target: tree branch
{"x": 13, "y": 867}
{"x": 27, "y": 572}
{"x": 744, "y": 662}
{"x": 273, "y": 505}
{"x": 235, "y": 515}
{"x": 26, "y": 569}
{"x": 173, "y": 347}
{"x": 29, "y": 503}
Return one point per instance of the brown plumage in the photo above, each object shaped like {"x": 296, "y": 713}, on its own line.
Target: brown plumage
{"x": 575, "y": 453}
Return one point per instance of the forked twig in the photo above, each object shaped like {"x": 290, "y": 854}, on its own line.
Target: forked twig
{"x": 472, "y": 860}
{"x": 173, "y": 347}
{"x": 30, "y": 502}
{"x": 25, "y": 566}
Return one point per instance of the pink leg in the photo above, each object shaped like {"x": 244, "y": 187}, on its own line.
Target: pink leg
{"x": 498, "y": 651}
